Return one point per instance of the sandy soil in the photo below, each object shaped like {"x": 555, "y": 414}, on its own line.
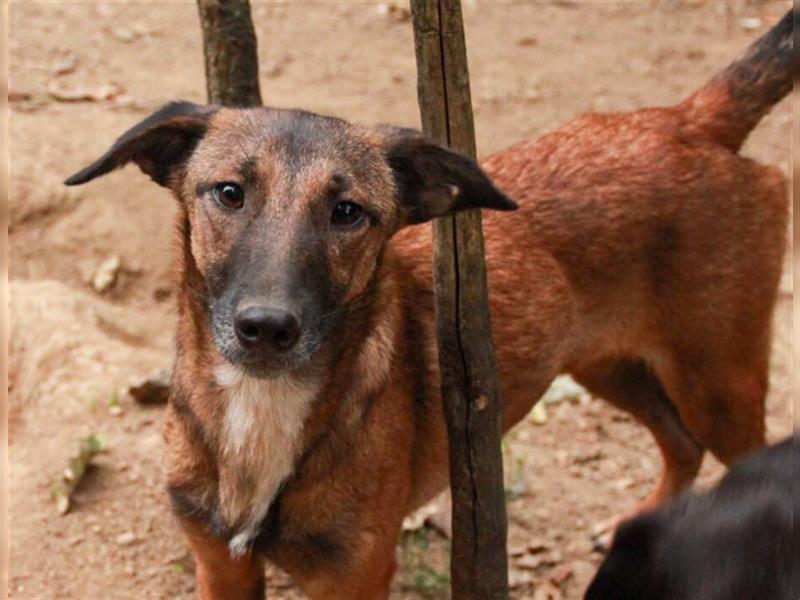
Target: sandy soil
{"x": 533, "y": 65}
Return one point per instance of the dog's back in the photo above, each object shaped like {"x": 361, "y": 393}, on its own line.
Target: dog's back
{"x": 737, "y": 541}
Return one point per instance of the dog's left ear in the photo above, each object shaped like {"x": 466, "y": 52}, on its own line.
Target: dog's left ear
{"x": 433, "y": 181}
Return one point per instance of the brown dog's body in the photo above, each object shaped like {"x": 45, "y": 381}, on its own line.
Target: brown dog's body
{"x": 644, "y": 259}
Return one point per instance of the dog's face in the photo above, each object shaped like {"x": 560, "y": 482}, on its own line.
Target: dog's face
{"x": 289, "y": 213}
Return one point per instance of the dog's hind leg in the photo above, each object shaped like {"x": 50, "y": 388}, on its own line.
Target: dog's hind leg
{"x": 631, "y": 386}
{"x": 723, "y": 407}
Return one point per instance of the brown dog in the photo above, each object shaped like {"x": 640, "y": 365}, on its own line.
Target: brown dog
{"x": 305, "y": 420}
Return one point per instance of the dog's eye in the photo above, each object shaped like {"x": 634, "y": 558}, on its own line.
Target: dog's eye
{"x": 228, "y": 194}
{"x": 347, "y": 214}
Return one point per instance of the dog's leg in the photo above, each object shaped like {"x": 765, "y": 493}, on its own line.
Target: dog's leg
{"x": 368, "y": 575}
{"x": 723, "y": 408}
{"x": 632, "y": 387}
{"x": 219, "y": 576}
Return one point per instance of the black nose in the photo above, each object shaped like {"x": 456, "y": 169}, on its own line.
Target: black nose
{"x": 263, "y": 327}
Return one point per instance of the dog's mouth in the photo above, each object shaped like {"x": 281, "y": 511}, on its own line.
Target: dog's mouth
{"x": 269, "y": 368}
{"x": 267, "y": 365}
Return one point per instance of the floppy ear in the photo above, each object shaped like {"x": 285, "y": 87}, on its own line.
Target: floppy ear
{"x": 433, "y": 181}
{"x": 159, "y": 144}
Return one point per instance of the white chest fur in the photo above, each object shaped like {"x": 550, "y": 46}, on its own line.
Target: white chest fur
{"x": 260, "y": 442}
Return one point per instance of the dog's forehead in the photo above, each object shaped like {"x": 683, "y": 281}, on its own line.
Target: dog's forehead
{"x": 264, "y": 139}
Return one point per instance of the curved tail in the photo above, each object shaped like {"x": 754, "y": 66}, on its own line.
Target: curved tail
{"x": 729, "y": 106}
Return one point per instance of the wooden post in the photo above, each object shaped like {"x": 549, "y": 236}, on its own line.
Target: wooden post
{"x": 229, "y": 45}
{"x": 470, "y": 385}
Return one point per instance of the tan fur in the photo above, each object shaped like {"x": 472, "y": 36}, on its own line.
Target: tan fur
{"x": 260, "y": 441}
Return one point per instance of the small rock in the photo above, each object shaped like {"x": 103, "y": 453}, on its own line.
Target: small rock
{"x": 64, "y": 65}
{"x": 563, "y": 388}
{"x": 62, "y": 504}
{"x": 126, "y": 539}
{"x": 152, "y": 389}
{"x": 105, "y": 276}
{"x": 142, "y": 28}
{"x": 532, "y": 562}
{"x": 750, "y": 23}
{"x": 115, "y": 410}
{"x": 124, "y": 35}
{"x": 123, "y": 100}
{"x": 107, "y": 91}
{"x": 76, "y": 540}
{"x": 539, "y": 413}
{"x": 519, "y": 579}
{"x": 517, "y": 488}
{"x": 395, "y": 10}
{"x": 624, "y": 484}
{"x": 560, "y": 574}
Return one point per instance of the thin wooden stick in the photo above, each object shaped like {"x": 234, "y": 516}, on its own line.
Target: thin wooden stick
{"x": 230, "y": 49}
{"x": 470, "y": 385}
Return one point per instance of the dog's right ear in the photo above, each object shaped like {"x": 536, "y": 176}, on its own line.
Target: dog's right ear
{"x": 159, "y": 144}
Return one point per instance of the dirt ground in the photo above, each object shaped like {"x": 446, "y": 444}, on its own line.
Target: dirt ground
{"x": 533, "y": 65}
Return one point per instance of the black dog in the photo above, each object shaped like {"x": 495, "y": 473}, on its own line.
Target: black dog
{"x": 738, "y": 542}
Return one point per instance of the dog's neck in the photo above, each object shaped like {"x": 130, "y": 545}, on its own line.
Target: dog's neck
{"x": 260, "y": 439}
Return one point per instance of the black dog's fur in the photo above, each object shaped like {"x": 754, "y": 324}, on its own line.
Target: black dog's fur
{"x": 737, "y": 542}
